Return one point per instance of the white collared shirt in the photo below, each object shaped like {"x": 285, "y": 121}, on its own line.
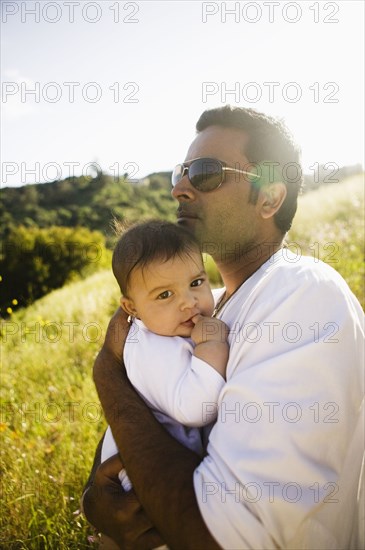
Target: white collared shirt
{"x": 284, "y": 455}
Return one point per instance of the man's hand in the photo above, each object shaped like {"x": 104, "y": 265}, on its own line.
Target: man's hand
{"x": 116, "y": 334}
{"x": 116, "y": 513}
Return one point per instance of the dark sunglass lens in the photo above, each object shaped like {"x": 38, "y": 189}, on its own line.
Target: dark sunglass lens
{"x": 205, "y": 174}
{"x": 177, "y": 174}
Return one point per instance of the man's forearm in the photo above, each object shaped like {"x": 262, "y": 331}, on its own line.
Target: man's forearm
{"x": 160, "y": 468}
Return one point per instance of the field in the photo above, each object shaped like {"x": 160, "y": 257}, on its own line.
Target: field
{"x": 51, "y": 420}
{"x": 329, "y": 225}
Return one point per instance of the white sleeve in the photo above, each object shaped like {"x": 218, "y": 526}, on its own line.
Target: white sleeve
{"x": 109, "y": 447}
{"x": 168, "y": 376}
{"x": 286, "y": 419}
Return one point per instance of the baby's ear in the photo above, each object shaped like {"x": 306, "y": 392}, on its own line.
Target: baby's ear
{"x": 128, "y": 305}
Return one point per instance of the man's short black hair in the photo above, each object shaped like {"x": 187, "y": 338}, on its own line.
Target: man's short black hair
{"x": 146, "y": 242}
{"x": 270, "y": 141}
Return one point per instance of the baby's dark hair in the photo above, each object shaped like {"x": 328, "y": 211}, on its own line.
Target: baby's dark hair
{"x": 146, "y": 242}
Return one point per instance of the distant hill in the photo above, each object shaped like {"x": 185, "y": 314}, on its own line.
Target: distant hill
{"x": 87, "y": 202}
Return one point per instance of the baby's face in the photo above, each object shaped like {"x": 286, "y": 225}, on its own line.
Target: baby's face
{"x": 165, "y": 296}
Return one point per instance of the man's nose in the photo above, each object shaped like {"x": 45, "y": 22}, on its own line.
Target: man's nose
{"x": 183, "y": 190}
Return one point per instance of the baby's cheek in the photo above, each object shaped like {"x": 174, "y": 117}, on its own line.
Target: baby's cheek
{"x": 209, "y": 305}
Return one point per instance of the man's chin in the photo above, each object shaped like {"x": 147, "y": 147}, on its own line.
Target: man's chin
{"x": 193, "y": 225}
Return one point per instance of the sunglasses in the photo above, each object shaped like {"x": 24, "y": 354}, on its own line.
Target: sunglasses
{"x": 205, "y": 174}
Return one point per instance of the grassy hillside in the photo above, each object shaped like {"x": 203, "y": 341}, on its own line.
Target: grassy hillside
{"x": 329, "y": 225}
{"x": 50, "y": 416}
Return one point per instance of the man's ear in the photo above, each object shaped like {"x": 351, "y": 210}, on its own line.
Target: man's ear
{"x": 271, "y": 198}
{"x": 128, "y": 305}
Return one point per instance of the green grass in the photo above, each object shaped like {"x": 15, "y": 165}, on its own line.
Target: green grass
{"x": 50, "y": 418}
{"x": 329, "y": 225}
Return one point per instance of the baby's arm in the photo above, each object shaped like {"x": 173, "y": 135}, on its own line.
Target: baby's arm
{"x": 166, "y": 372}
{"x": 210, "y": 337}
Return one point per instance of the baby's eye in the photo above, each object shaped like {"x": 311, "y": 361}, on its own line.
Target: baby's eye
{"x": 165, "y": 294}
{"x": 197, "y": 282}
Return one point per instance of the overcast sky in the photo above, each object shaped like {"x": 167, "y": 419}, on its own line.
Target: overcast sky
{"x": 123, "y": 83}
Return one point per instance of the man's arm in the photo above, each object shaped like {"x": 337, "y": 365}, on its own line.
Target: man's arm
{"x": 161, "y": 469}
{"x": 118, "y": 514}
{"x": 96, "y": 464}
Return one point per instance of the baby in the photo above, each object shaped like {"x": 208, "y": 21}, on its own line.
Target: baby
{"x": 175, "y": 354}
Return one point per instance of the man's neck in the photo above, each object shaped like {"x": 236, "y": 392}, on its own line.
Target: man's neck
{"x": 237, "y": 270}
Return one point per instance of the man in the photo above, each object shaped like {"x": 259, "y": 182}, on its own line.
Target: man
{"x": 284, "y": 456}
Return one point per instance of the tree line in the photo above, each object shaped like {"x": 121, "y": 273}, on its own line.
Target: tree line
{"x": 52, "y": 233}
{"x": 86, "y": 202}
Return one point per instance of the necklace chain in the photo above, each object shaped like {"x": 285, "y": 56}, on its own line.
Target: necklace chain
{"x": 223, "y": 301}
{"x": 220, "y": 304}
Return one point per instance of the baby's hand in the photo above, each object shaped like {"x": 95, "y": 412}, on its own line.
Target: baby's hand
{"x": 210, "y": 337}
{"x": 208, "y": 329}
